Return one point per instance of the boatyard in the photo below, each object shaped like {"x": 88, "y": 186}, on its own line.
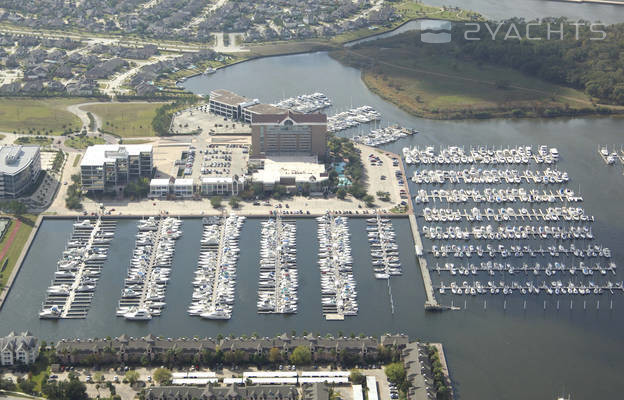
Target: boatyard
{"x": 143, "y": 295}
{"x": 214, "y": 285}
{"x": 74, "y": 283}
{"x": 278, "y": 280}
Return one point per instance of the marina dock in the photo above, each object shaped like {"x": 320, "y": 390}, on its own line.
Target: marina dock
{"x": 73, "y": 286}
{"x": 215, "y": 277}
{"x": 431, "y": 303}
{"x": 278, "y": 279}
{"x": 148, "y": 274}
{"x": 338, "y": 286}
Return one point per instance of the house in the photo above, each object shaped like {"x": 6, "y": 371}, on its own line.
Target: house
{"x": 18, "y": 349}
{"x": 133, "y": 350}
{"x": 233, "y": 392}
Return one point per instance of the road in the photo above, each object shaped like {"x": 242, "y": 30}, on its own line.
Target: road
{"x": 113, "y": 85}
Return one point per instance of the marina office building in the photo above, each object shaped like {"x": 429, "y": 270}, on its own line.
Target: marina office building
{"x": 19, "y": 169}
{"x": 113, "y": 166}
{"x": 236, "y": 107}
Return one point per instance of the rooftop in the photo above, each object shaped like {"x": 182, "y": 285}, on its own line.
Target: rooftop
{"x": 229, "y": 98}
{"x": 15, "y": 158}
{"x": 302, "y": 168}
{"x": 297, "y": 118}
{"x": 98, "y": 154}
{"x": 262, "y": 108}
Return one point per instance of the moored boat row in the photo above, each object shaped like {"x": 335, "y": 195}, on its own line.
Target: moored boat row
{"x": 215, "y": 278}
{"x": 78, "y": 270}
{"x": 278, "y": 280}
{"x": 481, "y": 155}
{"x": 143, "y": 295}
{"x": 384, "y": 250}
{"x": 338, "y": 287}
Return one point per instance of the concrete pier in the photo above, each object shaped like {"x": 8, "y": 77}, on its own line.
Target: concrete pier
{"x": 431, "y": 303}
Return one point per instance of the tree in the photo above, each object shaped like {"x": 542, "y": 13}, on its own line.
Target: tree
{"x": 369, "y": 200}
{"x": 395, "y": 373}
{"x": 15, "y": 207}
{"x": 301, "y": 356}
{"x": 234, "y": 202}
{"x": 26, "y": 385}
{"x": 356, "y": 377}
{"x": 341, "y": 193}
{"x": 162, "y": 376}
{"x": 132, "y": 376}
{"x": 275, "y": 355}
{"x": 215, "y": 201}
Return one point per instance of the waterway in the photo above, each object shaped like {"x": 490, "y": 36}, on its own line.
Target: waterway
{"x": 493, "y": 354}
{"x": 532, "y": 9}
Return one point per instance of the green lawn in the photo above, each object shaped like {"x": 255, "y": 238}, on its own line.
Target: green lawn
{"x": 28, "y": 221}
{"x": 126, "y": 119}
{"x": 36, "y": 140}
{"x": 36, "y": 116}
{"x": 77, "y": 160}
{"x": 82, "y": 142}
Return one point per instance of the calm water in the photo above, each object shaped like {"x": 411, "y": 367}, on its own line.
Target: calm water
{"x": 531, "y": 9}
{"x": 493, "y": 353}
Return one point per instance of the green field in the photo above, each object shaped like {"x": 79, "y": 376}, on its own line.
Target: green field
{"x": 77, "y": 160}
{"x": 437, "y": 86}
{"x": 126, "y": 119}
{"x": 28, "y": 221}
{"x": 82, "y": 142}
{"x": 36, "y": 140}
{"x": 36, "y": 116}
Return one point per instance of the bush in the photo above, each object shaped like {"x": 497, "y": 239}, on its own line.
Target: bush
{"x": 215, "y": 201}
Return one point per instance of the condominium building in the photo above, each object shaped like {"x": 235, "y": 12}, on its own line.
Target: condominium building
{"x": 289, "y": 133}
{"x": 111, "y": 166}
{"x": 19, "y": 169}
{"x": 236, "y": 107}
{"x": 18, "y": 349}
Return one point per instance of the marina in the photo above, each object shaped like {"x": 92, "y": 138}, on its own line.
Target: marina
{"x": 352, "y": 118}
{"x": 384, "y": 250}
{"x": 143, "y": 295}
{"x": 493, "y": 195}
{"x": 529, "y": 288}
{"x": 278, "y": 279}
{"x": 214, "y": 284}
{"x": 552, "y": 214}
{"x": 380, "y": 136}
{"x": 610, "y": 157}
{"x": 305, "y": 103}
{"x": 490, "y": 176}
{"x": 481, "y": 155}
{"x": 74, "y": 283}
{"x": 338, "y": 287}
{"x": 469, "y": 250}
{"x": 507, "y": 232}
{"x": 549, "y": 269}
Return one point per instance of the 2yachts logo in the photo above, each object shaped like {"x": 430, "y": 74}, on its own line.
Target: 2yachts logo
{"x": 439, "y": 31}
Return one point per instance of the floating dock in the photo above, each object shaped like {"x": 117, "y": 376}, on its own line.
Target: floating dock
{"x": 74, "y": 283}
{"x": 215, "y": 277}
{"x": 278, "y": 280}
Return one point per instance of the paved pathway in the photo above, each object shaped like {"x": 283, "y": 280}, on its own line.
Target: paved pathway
{"x": 16, "y": 228}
